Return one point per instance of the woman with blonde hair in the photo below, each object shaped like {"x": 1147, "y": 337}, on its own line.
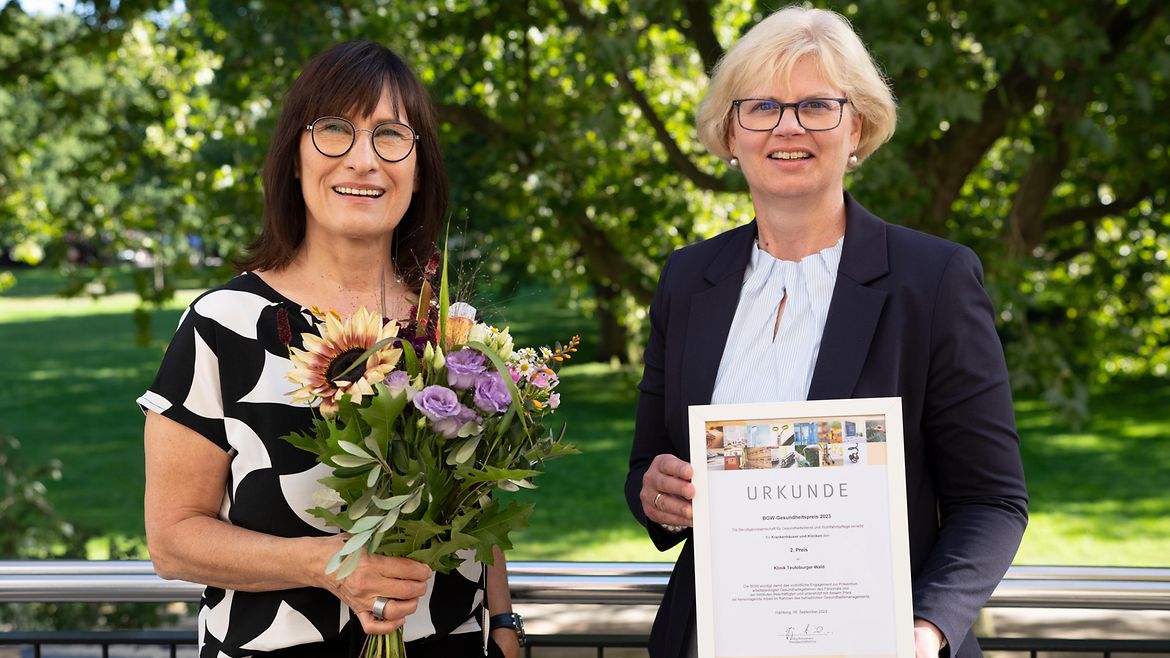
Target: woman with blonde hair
{"x": 818, "y": 298}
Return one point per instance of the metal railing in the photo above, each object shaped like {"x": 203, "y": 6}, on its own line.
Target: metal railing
{"x": 1118, "y": 588}
{"x": 619, "y": 583}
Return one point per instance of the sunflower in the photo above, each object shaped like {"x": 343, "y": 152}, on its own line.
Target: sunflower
{"x": 321, "y": 368}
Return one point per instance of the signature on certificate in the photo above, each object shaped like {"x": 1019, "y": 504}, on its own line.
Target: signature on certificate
{"x": 804, "y": 633}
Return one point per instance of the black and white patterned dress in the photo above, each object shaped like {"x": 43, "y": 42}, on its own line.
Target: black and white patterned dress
{"x": 223, "y": 376}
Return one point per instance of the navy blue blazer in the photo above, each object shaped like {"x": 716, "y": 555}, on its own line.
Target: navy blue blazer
{"x": 909, "y": 317}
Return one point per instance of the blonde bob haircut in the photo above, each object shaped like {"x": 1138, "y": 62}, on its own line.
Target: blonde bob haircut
{"x": 770, "y": 50}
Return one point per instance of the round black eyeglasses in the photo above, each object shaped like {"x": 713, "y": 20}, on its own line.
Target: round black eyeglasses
{"x": 335, "y": 136}
{"x": 762, "y": 114}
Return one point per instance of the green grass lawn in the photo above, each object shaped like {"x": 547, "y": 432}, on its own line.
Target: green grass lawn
{"x": 1099, "y": 496}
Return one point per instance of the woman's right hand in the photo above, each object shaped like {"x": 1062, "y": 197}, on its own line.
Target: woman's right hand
{"x": 667, "y": 491}
{"x": 398, "y": 579}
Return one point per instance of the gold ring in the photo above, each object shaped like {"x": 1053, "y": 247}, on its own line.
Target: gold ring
{"x": 656, "y": 498}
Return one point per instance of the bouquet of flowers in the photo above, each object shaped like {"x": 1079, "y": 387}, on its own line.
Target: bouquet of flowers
{"x": 421, "y": 421}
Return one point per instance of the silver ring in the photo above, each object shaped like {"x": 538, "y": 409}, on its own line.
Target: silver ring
{"x": 379, "y": 607}
{"x": 655, "y": 503}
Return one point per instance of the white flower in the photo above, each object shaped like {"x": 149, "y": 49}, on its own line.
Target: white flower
{"x": 480, "y": 332}
{"x": 461, "y": 310}
{"x": 327, "y": 498}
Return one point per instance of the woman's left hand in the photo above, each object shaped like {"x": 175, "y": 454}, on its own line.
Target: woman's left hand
{"x": 667, "y": 491}
{"x": 927, "y": 639}
{"x": 508, "y": 642}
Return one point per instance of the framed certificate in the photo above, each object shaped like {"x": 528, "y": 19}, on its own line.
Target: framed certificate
{"x": 801, "y": 542}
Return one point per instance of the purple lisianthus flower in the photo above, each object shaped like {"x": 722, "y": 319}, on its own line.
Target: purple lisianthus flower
{"x": 398, "y": 382}
{"x": 554, "y": 400}
{"x": 491, "y": 394}
{"x": 464, "y": 368}
{"x": 449, "y": 427}
{"x": 437, "y": 402}
{"x": 441, "y": 406}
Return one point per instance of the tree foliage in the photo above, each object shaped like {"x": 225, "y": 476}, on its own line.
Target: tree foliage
{"x": 1030, "y": 131}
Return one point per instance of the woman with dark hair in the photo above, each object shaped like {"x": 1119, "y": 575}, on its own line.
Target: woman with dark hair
{"x": 355, "y": 191}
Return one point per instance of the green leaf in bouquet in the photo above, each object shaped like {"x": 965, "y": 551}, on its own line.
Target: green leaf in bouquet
{"x": 550, "y": 450}
{"x": 465, "y": 517}
{"x": 349, "y": 482}
{"x": 365, "y": 523}
{"x": 435, "y": 554}
{"x": 400, "y": 458}
{"x": 349, "y": 431}
{"x": 349, "y": 565}
{"x": 351, "y": 548}
{"x": 506, "y": 421}
{"x": 371, "y": 444}
{"x": 393, "y": 502}
{"x": 438, "y": 492}
{"x": 355, "y": 450}
{"x": 410, "y": 358}
{"x": 383, "y": 415}
{"x": 524, "y": 484}
{"x": 359, "y": 507}
{"x": 413, "y": 501}
{"x": 334, "y": 562}
{"x": 376, "y": 542}
{"x": 463, "y": 451}
{"x": 444, "y": 296}
{"x": 385, "y": 526}
{"x": 347, "y": 461}
{"x": 336, "y": 520}
{"x": 493, "y": 526}
{"x": 375, "y": 473}
{"x": 387, "y": 521}
{"x": 417, "y": 532}
{"x": 304, "y": 441}
{"x": 394, "y": 546}
{"x": 493, "y": 473}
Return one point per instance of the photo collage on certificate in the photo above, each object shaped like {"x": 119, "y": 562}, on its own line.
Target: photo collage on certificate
{"x": 827, "y": 442}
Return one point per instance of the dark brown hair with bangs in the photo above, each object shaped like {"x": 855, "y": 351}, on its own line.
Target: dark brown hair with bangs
{"x": 350, "y": 79}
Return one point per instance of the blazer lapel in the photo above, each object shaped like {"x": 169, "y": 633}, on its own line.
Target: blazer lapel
{"x": 855, "y": 308}
{"x": 710, "y": 315}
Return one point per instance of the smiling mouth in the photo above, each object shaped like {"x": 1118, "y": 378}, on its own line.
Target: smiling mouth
{"x": 789, "y": 155}
{"x": 355, "y": 191}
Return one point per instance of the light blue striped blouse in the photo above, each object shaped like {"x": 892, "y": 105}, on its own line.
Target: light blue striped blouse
{"x": 757, "y": 368}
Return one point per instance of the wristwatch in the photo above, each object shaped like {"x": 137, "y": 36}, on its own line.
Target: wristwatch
{"x": 510, "y": 620}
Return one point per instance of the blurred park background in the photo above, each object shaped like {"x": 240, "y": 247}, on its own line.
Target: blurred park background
{"x": 132, "y": 135}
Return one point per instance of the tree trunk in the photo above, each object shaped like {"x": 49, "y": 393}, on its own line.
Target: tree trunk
{"x": 613, "y": 337}
{"x": 1026, "y": 217}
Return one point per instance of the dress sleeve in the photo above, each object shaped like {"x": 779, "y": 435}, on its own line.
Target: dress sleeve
{"x": 650, "y": 435}
{"x": 187, "y": 387}
{"x": 973, "y": 453}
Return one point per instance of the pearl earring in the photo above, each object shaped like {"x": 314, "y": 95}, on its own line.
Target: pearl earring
{"x": 734, "y": 163}
{"x": 853, "y": 160}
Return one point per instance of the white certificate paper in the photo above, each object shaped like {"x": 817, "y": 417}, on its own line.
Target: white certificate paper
{"x": 801, "y": 542}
